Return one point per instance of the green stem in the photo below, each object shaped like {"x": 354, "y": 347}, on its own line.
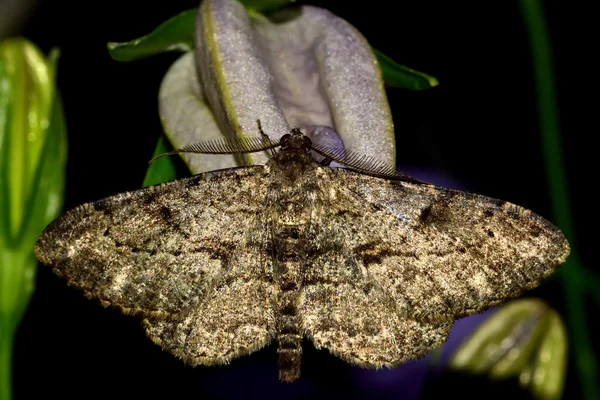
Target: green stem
{"x": 573, "y": 275}
{"x": 548, "y": 115}
{"x": 14, "y": 297}
{"x": 583, "y": 349}
{"x": 592, "y": 281}
{"x": 6, "y": 350}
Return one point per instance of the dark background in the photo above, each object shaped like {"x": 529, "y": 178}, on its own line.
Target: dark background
{"x": 479, "y": 129}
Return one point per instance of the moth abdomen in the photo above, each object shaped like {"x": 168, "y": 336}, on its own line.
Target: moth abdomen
{"x": 288, "y": 231}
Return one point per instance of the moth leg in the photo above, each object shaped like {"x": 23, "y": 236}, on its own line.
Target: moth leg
{"x": 265, "y": 138}
{"x": 325, "y": 162}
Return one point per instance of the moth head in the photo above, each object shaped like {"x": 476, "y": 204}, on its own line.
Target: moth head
{"x": 295, "y": 140}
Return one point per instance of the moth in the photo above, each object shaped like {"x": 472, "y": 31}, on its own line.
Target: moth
{"x": 371, "y": 264}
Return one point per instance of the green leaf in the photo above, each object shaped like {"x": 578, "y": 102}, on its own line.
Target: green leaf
{"x": 175, "y": 34}
{"x": 396, "y": 75}
{"x": 164, "y": 169}
{"x": 263, "y": 6}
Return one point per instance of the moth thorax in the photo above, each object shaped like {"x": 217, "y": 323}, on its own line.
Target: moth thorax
{"x": 293, "y": 164}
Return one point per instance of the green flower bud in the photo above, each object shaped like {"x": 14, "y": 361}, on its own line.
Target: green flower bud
{"x": 299, "y": 67}
{"x": 33, "y": 150}
{"x": 524, "y": 339}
